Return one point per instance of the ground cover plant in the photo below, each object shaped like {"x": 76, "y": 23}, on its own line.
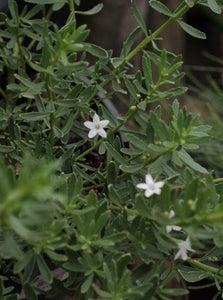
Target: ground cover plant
{"x": 93, "y": 205}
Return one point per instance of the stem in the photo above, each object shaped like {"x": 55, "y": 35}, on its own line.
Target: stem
{"x": 89, "y": 150}
{"x": 204, "y": 267}
{"x": 178, "y": 14}
{"x": 73, "y": 13}
{"x": 218, "y": 180}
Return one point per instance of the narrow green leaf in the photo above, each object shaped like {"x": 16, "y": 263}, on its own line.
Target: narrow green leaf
{"x": 127, "y": 45}
{"x": 138, "y": 17}
{"x": 147, "y": 71}
{"x": 75, "y": 267}
{"x": 192, "y": 31}
{"x": 96, "y": 9}
{"x": 44, "y": 269}
{"x": 33, "y": 116}
{"x": 130, "y": 168}
{"x": 188, "y": 160}
{"x": 13, "y": 8}
{"x": 112, "y": 173}
{"x": 142, "y": 207}
{"x": 138, "y": 142}
{"x": 20, "y": 229}
{"x": 117, "y": 156}
{"x": 214, "y": 6}
{"x": 192, "y": 275}
{"x": 175, "y": 291}
{"x": 29, "y": 292}
{"x": 131, "y": 89}
{"x": 101, "y": 293}
{"x": 160, "y": 7}
{"x": 6, "y": 149}
{"x": 23, "y": 262}
{"x": 87, "y": 283}
{"x": 95, "y": 50}
{"x": 56, "y": 256}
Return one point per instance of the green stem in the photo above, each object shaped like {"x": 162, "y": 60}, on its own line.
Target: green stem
{"x": 73, "y": 13}
{"x": 218, "y": 180}
{"x": 204, "y": 267}
{"x": 180, "y": 11}
{"x": 89, "y": 150}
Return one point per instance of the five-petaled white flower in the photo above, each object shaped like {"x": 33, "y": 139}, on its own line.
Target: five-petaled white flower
{"x": 169, "y": 228}
{"x": 150, "y": 186}
{"x": 96, "y": 127}
{"x": 184, "y": 246}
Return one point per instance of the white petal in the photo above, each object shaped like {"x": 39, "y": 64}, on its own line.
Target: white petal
{"x": 92, "y": 133}
{"x": 157, "y": 191}
{"x": 169, "y": 228}
{"x": 178, "y": 254}
{"x": 142, "y": 186}
{"x": 96, "y": 118}
{"x": 89, "y": 124}
{"x": 159, "y": 184}
{"x": 149, "y": 179}
{"x": 184, "y": 255}
{"x": 171, "y": 214}
{"x": 104, "y": 123}
{"x": 148, "y": 193}
{"x": 102, "y": 132}
{"x": 177, "y": 228}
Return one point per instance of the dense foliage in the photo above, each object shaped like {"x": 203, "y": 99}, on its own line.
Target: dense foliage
{"x": 95, "y": 205}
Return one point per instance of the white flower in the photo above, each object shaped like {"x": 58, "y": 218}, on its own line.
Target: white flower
{"x": 184, "y": 246}
{"x": 169, "y": 228}
{"x": 96, "y": 127}
{"x": 151, "y": 187}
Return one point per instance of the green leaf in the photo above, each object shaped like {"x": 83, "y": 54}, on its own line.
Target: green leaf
{"x": 188, "y": 160}
{"x": 96, "y": 9}
{"x": 190, "y": 3}
{"x": 192, "y": 31}
{"x": 44, "y": 269}
{"x": 117, "y": 156}
{"x": 33, "y": 116}
{"x": 6, "y": 149}
{"x": 160, "y": 127}
{"x": 56, "y": 256}
{"x": 138, "y": 142}
{"x": 138, "y": 17}
{"x": 112, "y": 173}
{"x": 87, "y": 284}
{"x": 130, "y": 168}
{"x": 101, "y": 293}
{"x": 95, "y": 50}
{"x": 114, "y": 195}
{"x": 23, "y": 262}
{"x": 29, "y": 292}
{"x": 127, "y": 45}
{"x": 13, "y": 8}
{"x": 142, "y": 207}
{"x": 175, "y": 291}
{"x": 160, "y": 7}
{"x": 192, "y": 275}
{"x": 147, "y": 71}
{"x": 20, "y": 229}
{"x": 214, "y": 6}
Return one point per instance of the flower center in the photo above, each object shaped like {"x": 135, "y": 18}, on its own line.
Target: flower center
{"x": 152, "y": 186}
{"x": 97, "y": 126}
